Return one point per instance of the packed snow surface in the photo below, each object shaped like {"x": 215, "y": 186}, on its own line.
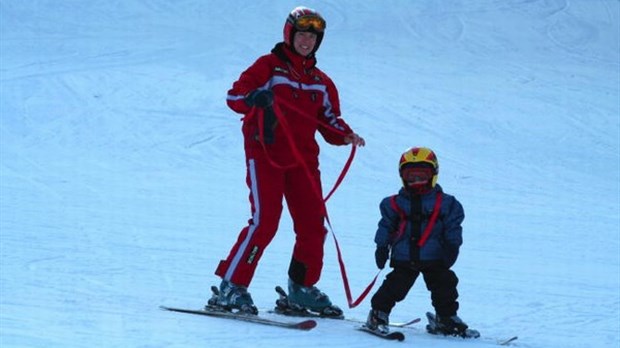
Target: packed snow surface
{"x": 122, "y": 171}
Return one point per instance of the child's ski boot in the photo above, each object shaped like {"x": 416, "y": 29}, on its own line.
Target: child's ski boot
{"x": 378, "y": 321}
{"x": 449, "y": 326}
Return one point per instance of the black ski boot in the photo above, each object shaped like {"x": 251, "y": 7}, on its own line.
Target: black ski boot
{"x": 449, "y": 326}
{"x": 453, "y": 325}
{"x": 378, "y": 321}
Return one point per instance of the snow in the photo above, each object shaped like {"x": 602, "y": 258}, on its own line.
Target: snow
{"x": 122, "y": 174}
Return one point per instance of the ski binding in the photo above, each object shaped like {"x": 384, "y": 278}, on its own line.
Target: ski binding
{"x": 284, "y": 307}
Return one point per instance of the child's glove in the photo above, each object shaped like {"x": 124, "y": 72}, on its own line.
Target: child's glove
{"x": 450, "y": 256}
{"x": 259, "y": 98}
{"x": 381, "y": 256}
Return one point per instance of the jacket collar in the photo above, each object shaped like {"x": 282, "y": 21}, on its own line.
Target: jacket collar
{"x": 432, "y": 192}
{"x": 289, "y": 56}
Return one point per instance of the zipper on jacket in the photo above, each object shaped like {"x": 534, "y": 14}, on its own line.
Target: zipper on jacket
{"x": 416, "y": 217}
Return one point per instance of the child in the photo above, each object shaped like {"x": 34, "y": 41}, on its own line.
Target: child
{"x": 421, "y": 228}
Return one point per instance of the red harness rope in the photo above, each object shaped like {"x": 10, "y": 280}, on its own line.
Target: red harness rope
{"x": 431, "y": 222}
{"x": 299, "y": 159}
{"x": 403, "y": 219}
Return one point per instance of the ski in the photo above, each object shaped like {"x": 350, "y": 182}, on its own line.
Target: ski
{"x": 469, "y": 333}
{"x": 409, "y": 323}
{"x": 250, "y": 318}
{"x": 283, "y": 308}
{"x": 392, "y": 336}
{"x": 307, "y": 314}
{"x": 394, "y": 325}
{"x": 489, "y": 340}
{"x": 506, "y": 342}
{"x": 304, "y": 314}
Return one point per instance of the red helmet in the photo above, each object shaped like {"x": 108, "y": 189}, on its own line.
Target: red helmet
{"x": 304, "y": 19}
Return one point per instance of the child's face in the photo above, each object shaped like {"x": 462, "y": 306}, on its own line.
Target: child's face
{"x": 418, "y": 180}
{"x": 417, "y": 176}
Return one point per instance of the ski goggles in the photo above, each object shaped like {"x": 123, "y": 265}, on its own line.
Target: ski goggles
{"x": 310, "y": 22}
{"x": 417, "y": 175}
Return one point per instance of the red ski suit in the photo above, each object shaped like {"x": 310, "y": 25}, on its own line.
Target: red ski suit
{"x": 305, "y": 100}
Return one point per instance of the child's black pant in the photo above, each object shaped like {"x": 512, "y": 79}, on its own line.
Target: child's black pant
{"x": 440, "y": 281}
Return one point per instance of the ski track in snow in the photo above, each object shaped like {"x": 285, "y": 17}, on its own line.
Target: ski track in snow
{"x": 123, "y": 183}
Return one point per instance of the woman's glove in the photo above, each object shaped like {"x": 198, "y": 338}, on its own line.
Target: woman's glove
{"x": 260, "y": 98}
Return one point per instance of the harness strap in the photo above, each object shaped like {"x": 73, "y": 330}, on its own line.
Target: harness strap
{"x": 403, "y": 218}
{"x": 431, "y": 223}
{"x": 351, "y": 302}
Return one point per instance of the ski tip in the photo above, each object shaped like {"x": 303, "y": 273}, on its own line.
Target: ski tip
{"x": 411, "y": 322}
{"x": 396, "y": 336}
{"x": 507, "y": 342}
{"x": 306, "y": 324}
{"x": 392, "y": 336}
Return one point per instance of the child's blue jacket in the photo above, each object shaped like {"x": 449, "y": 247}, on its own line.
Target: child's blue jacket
{"x": 445, "y": 238}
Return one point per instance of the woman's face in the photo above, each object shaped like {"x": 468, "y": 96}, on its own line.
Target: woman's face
{"x": 304, "y": 42}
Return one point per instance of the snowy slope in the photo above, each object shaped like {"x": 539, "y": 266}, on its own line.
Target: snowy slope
{"x": 122, "y": 174}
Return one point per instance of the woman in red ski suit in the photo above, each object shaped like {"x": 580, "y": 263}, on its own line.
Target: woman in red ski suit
{"x": 286, "y": 95}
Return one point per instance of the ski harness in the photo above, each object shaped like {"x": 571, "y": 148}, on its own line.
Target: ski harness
{"x": 416, "y": 218}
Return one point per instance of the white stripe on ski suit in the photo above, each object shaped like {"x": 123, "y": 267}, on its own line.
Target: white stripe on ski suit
{"x": 255, "y": 222}
{"x": 282, "y": 80}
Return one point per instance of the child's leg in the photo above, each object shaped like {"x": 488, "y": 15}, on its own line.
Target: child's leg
{"x": 441, "y": 282}
{"x": 394, "y": 289}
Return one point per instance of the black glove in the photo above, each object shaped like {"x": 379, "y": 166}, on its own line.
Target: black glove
{"x": 259, "y": 98}
{"x": 450, "y": 256}
{"x": 381, "y": 256}
{"x": 269, "y": 121}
